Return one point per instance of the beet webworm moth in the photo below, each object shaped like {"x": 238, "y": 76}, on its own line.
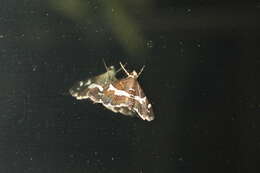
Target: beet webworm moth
{"x": 124, "y": 95}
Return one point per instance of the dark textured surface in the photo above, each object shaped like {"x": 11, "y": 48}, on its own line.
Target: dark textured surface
{"x": 201, "y": 77}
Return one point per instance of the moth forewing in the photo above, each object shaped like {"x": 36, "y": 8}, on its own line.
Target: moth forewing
{"x": 92, "y": 88}
{"x": 78, "y": 90}
{"x": 142, "y": 105}
{"x": 116, "y": 99}
{"x": 127, "y": 97}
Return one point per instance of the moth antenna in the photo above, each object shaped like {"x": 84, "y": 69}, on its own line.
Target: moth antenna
{"x": 141, "y": 70}
{"x": 105, "y": 64}
{"x": 124, "y": 69}
{"x": 120, "y": 68}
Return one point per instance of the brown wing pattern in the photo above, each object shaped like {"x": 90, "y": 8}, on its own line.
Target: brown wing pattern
{"x": 142, "y": 105}
{"x": 80, "y": 89}
{"x": 87, "y": 89}
{"x": 127, "y": 97}
{"x": 92, "y": 88}
{"x": 115, "y": 102}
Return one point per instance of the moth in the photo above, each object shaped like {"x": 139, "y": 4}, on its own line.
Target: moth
{"x": 127, "y": 97}
{"x": 118, "y": 95}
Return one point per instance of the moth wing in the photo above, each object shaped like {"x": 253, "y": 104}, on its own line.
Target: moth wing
{"x": 116, "y": 102}
{"x": 142, "y": 105}
{"x": 80, "y": 89}
{"x": 95, "y": 90}
{"x": 87, "y": 90}
{"x": 92, "y": 88}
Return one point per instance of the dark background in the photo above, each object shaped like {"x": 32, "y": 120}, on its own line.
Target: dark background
{"x": 201, "y": 75}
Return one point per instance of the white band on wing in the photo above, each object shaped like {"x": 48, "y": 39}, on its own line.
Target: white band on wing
{"x": 95, "y": 86}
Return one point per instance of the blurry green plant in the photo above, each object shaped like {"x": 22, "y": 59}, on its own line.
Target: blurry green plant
{"x": 117, "y": 14}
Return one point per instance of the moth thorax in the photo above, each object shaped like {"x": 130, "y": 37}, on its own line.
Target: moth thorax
{"x": 133, "y": 74}
{"x": 111, "y": 71}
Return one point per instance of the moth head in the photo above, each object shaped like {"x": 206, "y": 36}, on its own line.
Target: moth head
{"x": 133, "y": 74}
{"x": 111, "y": 68}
